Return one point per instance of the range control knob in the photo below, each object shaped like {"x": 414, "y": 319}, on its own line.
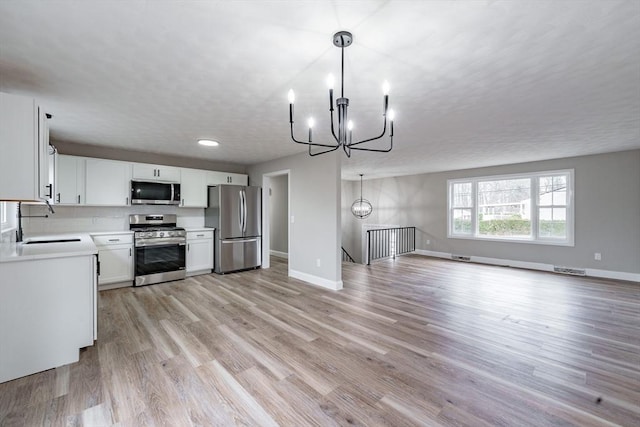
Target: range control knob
{"x": 162, "y": 234}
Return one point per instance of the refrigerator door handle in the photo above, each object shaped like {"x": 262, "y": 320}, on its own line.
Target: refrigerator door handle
{"x": 244, "y": 202}
{"x": 240, "y": 210}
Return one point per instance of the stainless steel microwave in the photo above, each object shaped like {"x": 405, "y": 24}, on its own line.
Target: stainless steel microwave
{"x": 155, "y": 193}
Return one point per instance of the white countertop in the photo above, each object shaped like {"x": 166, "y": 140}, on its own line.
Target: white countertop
{"x": 12, "y": 251}
{"x": 199, "y": 229}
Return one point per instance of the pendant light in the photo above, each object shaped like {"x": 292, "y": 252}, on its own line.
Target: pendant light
{"x": 361, "y": 208}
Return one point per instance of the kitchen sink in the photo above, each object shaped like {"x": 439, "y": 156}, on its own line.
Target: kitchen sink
{"x": 33, "y": 242}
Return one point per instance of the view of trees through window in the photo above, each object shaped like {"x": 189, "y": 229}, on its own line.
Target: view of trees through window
{"x": 530, "y": 207}
{"x": 504, "y": 208}
{"x": 552, "y": 203}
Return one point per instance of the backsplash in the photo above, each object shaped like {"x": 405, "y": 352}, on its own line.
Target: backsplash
{"x": 71, "y": 219}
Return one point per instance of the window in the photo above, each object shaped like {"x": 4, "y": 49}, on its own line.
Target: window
{"x": 7, "y": 215}
{"x": 3, "y": 216}
{"x": 533, "y": 208}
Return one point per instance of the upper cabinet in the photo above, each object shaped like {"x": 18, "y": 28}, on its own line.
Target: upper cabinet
{"x": 217, "y": 178}
{"x": 149, "y": 172}
{"x": 193, "y": 188}
{"x": 24, "y": 144}
{"x": 69, "y": 180}
{"x": 107, "y": 182}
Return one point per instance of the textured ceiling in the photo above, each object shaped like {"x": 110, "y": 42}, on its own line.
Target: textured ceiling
{"x": 474, "y": 83}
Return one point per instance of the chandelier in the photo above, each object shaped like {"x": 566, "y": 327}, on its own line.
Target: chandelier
{"x": 361, "y": 208}
{"x": 344, "y": 138}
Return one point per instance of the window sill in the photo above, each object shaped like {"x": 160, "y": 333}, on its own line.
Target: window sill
{"x": 515, "y": 240}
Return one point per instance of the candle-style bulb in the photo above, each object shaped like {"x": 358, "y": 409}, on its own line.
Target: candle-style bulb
{"x": 330, "y": 81}
{"x": 350, "y": 125}
{"x": 292, "y": 96}
{"x": 385, "y": 88}
{"x": 391, "y": 114}
{"x": 311, "y": 122}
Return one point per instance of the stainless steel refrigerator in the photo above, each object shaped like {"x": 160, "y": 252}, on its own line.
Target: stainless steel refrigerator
{"x": 236, "y": 214}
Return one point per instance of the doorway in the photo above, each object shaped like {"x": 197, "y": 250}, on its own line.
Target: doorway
{"x": 275, "y": 219}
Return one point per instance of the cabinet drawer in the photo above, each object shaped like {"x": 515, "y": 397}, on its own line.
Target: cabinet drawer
{"x": 113, "y": 239}
{"x": 199, "y": 235}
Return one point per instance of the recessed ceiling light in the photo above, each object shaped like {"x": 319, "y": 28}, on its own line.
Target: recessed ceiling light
{"x": 208, "y": 142}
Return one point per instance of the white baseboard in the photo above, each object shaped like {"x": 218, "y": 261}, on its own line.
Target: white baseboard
{"x": 315, "y": 280}
{"x": 279, "y": 254}
{"x": 608, "y": 274}
{"x": 605, "y": 274}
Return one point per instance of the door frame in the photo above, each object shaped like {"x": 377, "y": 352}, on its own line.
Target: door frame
{"x": 266, "y": 212}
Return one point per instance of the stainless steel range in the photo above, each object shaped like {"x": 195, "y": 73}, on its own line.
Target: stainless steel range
{"x": 160, "y": 248}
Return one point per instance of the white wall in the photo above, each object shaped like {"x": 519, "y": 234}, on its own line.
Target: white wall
{"x": 607, "y": 213}
{"x": 315, "y": 234}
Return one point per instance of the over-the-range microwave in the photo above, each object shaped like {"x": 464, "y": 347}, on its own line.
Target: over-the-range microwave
{"x": 155, "y": 193}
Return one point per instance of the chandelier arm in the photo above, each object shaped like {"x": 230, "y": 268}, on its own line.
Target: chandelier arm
{"x": 333, "y": 132}
{"x": 347, "y": 151}
{"x": 323, "y": 152}
{"x": 315, "y": 144}
{"x": 384, "y": 131}
{"x": 376, "y": 150}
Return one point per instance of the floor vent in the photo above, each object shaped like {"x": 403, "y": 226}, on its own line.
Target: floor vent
{"x": 460, "y": 258}
{"x": 569, "y": 270}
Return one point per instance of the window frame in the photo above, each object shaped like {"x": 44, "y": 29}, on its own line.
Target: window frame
{"x": 7, "y": 216}
{"x": 535, "y": 206}
{"x": 4, "y": 220}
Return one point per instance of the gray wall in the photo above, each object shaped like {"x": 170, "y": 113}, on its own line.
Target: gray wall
{"x": 607, "y": 212}
{"x": 314, "y": 187}
{"x": 87, "y": 150}
{"x": 279, "y": 206}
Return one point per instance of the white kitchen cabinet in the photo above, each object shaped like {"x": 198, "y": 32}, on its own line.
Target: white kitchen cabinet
{"x": 115, "y": 257}
{"x": 47, "y": 313}
{"x": 69, "y": 180}
{"x": 149, "y": 172}
{"x": 24, "y": 144}
{"x": 193, "y": 188}
{"x": 199, "y": 252}
{"x": 108, "y": 182}
{"x": 217, "y": 178}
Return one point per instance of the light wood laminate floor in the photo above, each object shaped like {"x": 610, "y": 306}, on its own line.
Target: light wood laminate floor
{"x": 415, "y": 341}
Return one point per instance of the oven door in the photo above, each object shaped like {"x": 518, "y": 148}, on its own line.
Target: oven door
{"x": 160, "y": 258}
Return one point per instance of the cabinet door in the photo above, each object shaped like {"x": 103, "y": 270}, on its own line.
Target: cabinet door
{"x": 237, "y": 179}
{"x": 108, "y": 182}
{"x": 116, "y": 264}
{"x": 69, "y": 180}
{"x": 148, "y": 172}
{"x": 18, "y": 148}
{"x": 193, "y": 188}
{"x": 199, "y": 255}
{"x": 168, "y": 173}
{"x": 44, "y": 191}
{"x": 145, "y": 171}
{"x": 217, "y": 178}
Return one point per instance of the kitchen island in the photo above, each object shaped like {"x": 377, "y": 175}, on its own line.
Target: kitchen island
{"x": 48, "y": 303}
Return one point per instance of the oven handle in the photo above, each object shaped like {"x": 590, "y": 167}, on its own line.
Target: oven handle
{"x": 153, "y": 244}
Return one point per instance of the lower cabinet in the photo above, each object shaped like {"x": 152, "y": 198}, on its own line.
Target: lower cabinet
{"x": 199, "y": 252}
{"x": 47, "y": 313}
{"x": 115, "y": 255}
